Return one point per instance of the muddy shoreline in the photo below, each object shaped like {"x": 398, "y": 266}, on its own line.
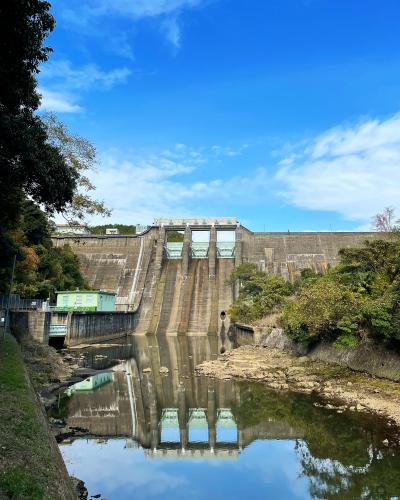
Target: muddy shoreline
{"x": 339, "y": 387}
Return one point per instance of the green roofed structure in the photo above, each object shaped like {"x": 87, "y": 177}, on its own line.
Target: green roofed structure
{"x": 85, "y": 300}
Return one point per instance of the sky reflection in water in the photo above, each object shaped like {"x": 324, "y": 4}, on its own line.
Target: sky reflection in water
{"x": 265, "y": 469}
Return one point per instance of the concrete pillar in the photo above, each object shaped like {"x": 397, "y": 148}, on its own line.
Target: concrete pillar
{"x": 238, "y": 257}
{"x": 182, "y": 416}
{"x": 211, "y": 418}
{"x": 159, "y": 252}
{"x": 238, "y": 246}
{"x": 153, "y": 410}
{"x": 212, "y": 252}
{"x": 240, "y": 438}
{"x": 187, "y": 240}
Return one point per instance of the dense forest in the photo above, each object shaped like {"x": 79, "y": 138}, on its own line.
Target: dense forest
{"x": 358, "y": 298}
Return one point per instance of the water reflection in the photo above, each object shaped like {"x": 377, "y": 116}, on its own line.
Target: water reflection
{"x": 251, "y": 441}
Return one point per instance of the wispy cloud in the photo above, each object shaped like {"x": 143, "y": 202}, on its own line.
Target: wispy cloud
{"x": 142, "y": 188}
{"x": 62, "y": 72}
{"x": 353, "y": 170}
{"x": 58, "y": 102}
{"x": 83, "y": 15}
{"x": 61, "y": 84}
{"x": 172, "y": 31}
{"x": 142, "y": 8}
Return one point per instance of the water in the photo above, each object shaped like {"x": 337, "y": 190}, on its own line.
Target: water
{"x": 186, "y": 437}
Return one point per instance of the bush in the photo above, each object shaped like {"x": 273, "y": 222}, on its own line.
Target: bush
{"x": 321, "y": 309}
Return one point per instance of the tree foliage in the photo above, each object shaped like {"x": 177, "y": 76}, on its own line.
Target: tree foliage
{"x": 30, "y": 166}
{"x": 80, "y": 155}
{"x": 360, "y": 297}
{"x": 259, "y": 293}
{"x": 42, "y": 268}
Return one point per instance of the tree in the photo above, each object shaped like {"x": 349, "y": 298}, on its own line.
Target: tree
{"x": 80, "y": 154}
{"x": 321, "y": 309}
{"x": 385, "y": 221}
{"x": 30, "y": 166}
{"x": 260, "y": 293}
{"x": 41, "y": 268}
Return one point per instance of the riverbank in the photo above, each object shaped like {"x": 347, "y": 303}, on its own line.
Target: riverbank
{"x": 340, "y": 387}
{"x": 31, "y": 465}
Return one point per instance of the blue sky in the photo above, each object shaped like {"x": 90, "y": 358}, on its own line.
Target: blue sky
{"x": 282, "y": 113}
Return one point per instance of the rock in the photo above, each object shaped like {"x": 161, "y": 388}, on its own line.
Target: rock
{"x": 359, "y": 407}
{"x": 385, "y": 442}
{"x": 329, "y": 406}
{"x": 80, "y": 488}
{"x": 163, "y": 370}
{"x": 352, "y": 408}
{"x": 56, "y": 421}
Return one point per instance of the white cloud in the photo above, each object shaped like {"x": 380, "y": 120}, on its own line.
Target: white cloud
{"x": 143, "y": 8}
{"x": 58, "y": 102}
{"x": 62, "y": 73}
{"x": 353, "y": 170}
{"x": 83, "y": 15}
{"x": 142, "y": 188}
{"x": 172, "y": 31}
{"x": 61, "y": 84}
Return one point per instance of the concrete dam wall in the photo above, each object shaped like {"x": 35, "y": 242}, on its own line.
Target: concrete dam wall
{"x": 181, "y": 287}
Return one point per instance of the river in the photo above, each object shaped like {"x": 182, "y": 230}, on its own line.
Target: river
{"x": 180, "y": 436}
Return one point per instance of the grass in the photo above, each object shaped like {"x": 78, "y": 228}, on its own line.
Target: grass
{"x": 27, "y": 468}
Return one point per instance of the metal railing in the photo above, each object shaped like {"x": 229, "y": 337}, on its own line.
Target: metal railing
{"x": 17, "y": 303}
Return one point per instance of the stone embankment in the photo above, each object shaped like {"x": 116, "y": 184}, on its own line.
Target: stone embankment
{"x": 342, "y": 388}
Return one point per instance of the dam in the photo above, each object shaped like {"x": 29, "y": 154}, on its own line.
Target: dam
{"x": 174, "y": 276}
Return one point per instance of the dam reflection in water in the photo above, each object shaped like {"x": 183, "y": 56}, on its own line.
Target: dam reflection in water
{"x": 249, "y": 441}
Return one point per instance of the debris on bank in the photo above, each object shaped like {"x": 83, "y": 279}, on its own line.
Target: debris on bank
{"x": 343, "y": 388}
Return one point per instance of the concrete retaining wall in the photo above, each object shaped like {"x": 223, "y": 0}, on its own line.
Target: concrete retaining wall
{"x": 288, "y": 253}
{"x": 82, "y": 327}
{"x": 367, "y": 357}
{"x": 95, "y": 327}
{"x": 33, "y": 323}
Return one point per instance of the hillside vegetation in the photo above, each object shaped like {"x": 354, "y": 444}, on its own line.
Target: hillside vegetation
{"x": 358, "y": 298}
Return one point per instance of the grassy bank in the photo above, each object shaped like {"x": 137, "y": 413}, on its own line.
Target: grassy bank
{"x": 28, "y": 465}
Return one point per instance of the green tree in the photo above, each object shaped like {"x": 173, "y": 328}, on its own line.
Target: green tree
{"x": 259, "y": 294}
{"x": 321, "y": 309}
{"x": 30, "y": 166}
{"x": 42, "y": 268}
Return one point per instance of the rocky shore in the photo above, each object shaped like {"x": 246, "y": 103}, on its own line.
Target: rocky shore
{"x": 341, "y": 388}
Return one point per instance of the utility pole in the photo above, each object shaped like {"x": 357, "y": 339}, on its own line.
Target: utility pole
{"x": 6, "y": 323}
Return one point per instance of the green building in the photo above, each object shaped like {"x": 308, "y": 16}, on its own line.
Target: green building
{"x": 82, "y": 300}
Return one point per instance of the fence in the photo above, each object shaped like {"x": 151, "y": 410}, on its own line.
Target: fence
{"x": 19, "y": 304}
